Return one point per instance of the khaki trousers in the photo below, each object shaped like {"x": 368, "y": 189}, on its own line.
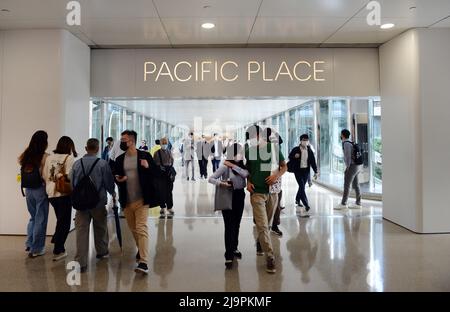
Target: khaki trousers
{"x": 137, "y": 218}
{"x": 263, "y": 209}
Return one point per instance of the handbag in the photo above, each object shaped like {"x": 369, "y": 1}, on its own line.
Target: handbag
{"x": 62, "y": 183}
{"x": 169, "y": 170}
{"x": 223, "y": 198}
{"x": 276, "y": 187}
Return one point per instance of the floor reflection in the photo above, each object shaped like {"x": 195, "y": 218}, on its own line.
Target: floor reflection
{"x": 353, "y": 250}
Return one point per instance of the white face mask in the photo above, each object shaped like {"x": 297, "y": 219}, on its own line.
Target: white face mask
{"x": 304, "y": 143}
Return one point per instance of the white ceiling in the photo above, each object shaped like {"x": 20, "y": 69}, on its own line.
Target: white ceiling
{"x": 120, "y": 23}
{"x": 215, "y": 114}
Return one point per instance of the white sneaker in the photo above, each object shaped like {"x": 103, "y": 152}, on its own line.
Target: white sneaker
{"x": 162, "y": 212}
{"x": 59, "y": 256}
{"x": 355, "y": 206}
{"x": 340, "y": 207}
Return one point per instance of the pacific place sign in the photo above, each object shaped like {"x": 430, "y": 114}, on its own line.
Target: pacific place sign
{"x": 233, "y": 70}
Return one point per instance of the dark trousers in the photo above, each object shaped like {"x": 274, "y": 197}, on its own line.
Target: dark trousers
{"x": 232, "y": 219}
{"x": 63, "y": 212}
{"x": 276, "y": 215}
{"x": 215, "y": 164}
{"x": 166, "y": 193}
{"x": 302, "y": 178}
{"x": 203, "y": 165}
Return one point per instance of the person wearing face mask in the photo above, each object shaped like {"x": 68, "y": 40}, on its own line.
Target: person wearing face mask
{"x": 303, "y": 160}
{"x": 352, "y": 170}
{"x": 232, "y": 174}
{"x": 164, "y": 159}
{"x": 135, "y": 174}
{"x": 260, "y": 160}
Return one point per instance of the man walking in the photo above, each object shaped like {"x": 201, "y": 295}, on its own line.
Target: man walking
{"x": 103, "y": 180}
{"x": 352, "y": 169}
{"x": 135, "y": 174}
{"x": 259, "y": 164}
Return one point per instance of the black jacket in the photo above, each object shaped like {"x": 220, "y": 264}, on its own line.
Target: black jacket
{"x": 147, "y": 178}
{"x": 311, "y": 159}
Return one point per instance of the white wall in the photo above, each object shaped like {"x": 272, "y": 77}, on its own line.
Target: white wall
{"x": 434, "y": 62}
{"x": 44, "y": 74}
{"x": 415, "y": 93}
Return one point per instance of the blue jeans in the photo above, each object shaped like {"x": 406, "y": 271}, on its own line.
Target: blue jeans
{"x": 37, "y": 203}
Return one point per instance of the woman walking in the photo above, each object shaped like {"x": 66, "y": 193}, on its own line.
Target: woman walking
{"x": 164, "y": 159}
{"x": 232, "y": 174}
{"x": 32, "y": 163}
{"x": 57, "y": 169}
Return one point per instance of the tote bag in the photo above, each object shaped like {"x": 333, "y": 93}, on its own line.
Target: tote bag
{"x": 276, "y": 187}
{"x": 223, "y": 197}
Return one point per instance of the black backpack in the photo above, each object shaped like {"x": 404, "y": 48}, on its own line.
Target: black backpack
{"x": 30, "y": 177}
{"x": 357, "y": 155}
{"x": 85, "y": 195}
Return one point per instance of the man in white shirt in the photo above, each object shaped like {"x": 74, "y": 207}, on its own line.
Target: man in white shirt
{"x": 217, "y": 151}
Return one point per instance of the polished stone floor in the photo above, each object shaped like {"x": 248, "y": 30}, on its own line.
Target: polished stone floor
{"x": 330, "y": 251}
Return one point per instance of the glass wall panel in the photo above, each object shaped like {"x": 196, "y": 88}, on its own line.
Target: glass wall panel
{"x": 114, "y": 120}
{"x": 376, "y": 148}
{"x": 96, "y": 121}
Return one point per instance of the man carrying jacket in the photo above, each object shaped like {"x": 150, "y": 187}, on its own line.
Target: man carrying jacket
{"x": 302, "y": 158}
{"x": 135, "y": 174}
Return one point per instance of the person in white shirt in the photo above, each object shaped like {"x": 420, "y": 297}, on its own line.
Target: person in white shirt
{"x": 57, "y": 169}
{"x": 189, "y": 154}
{"x": 303, "y": 159}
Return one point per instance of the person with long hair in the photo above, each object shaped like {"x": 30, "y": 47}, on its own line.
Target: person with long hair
{"x": 57, "y": 170}
{"x": 32, "y": 162}
{"x": 232, "y": 174}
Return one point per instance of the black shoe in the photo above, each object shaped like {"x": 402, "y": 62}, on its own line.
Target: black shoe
{"x": 270, "y": 265}
{"x": 138, "y": 257}
{"x": 141, "y": 268}
{"x": 228, "y": 264}
{"x": 307, "y": 208}
{"x": 259, "y": 250}
{"x": 187, "y": 178}
{"x": 277, "y": 231}
{"x": 27, "y": 249}
{"x": 298, "y": 204}
{"x": 237, "y": 254}
{"x": 104, "y": 256}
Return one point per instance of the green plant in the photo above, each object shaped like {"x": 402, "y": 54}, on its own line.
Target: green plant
{"x": 377, "y": 145}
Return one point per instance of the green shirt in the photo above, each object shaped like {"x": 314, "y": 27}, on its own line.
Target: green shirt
{"x": 258, "y": 164}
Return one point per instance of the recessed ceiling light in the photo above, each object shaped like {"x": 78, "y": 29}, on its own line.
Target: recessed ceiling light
{"x": 208, "y": 25}
{"x": 387, "y": 26}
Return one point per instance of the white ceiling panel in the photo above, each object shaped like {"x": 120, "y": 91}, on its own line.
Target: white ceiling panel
{"x": 294, "y": 29}
{"x": 120, "y": 8}
{"x": 222, "y": 113}
{"x": 311, "y": 8}
{"x": 35, "y": 9}
{"x": 118, "y": 31}
{"x": 443, "y": 23}
{"x": 426, "y": 11}
{"x": 357, "y": 31}
{"x": 214, "y": 8}
{"x": 228, "y": 30}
